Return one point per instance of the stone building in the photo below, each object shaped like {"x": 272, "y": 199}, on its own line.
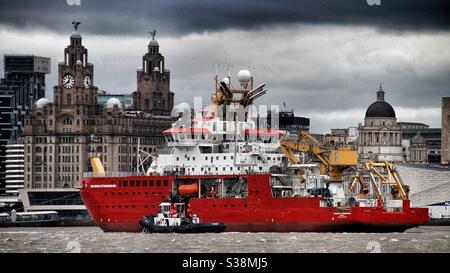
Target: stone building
{"x": 380, "y": 138}
{"x": 445, "y": 135}
{"x": 431, "y": 136}
{"x": 153, "y": 83}
{"x": 418, "y": 149}
{"x": 61, "y": 135}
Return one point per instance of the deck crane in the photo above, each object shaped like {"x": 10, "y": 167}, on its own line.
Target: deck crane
{"x": 398, "y": 190}
{"x": 363, "y": 187}
{"x": 333, "y": 162}
{"x": 387, "y": 175}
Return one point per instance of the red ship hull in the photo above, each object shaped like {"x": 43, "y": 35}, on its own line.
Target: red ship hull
{"x": 119, "y": 208}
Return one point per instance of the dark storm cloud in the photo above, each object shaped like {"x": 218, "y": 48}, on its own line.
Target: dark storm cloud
{"x": 185, "y": 16}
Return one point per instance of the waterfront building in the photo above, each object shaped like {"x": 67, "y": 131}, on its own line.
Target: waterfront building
{"x": 380, "y": 138}
{"x": 153, "y": 93}
{"x": 60, "y": 136}
{"x": 425, "y": 139}
{"x": 445, "y": 150}
{"x": 343, "y": 136}
{"x": 412, "y": 125}
{"x": 21, "y": 86}
{"x": 289, "y": 122}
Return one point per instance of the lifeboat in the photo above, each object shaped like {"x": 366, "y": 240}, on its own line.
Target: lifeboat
{"x": 188, "y": 189}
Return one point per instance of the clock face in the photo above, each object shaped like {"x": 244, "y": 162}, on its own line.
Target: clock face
{"x": 87, "y": 81}
{"x": 68, "y": 81}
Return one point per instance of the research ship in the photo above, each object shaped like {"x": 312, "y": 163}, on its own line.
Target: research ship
{"x": 228, "y": 168}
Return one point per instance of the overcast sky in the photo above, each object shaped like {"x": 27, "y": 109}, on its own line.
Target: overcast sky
{"x": 325, "y": 59}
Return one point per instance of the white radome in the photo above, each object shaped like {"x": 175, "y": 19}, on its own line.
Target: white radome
{"x": 226, "y": 80}
{"x": 113, "y": 102}
{"x": 42, "y": 102}
{"x": 180, "y": 108}
{"x": 244, "y": 76}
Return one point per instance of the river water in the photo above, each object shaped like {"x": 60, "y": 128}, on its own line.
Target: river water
{"x": 93, "y": 239}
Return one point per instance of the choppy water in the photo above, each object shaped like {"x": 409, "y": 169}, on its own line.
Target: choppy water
{"x": 92, "y": 239}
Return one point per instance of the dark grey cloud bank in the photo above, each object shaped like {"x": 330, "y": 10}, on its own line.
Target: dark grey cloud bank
{"x": 175, "y": 17}
{"x": 323, "y": 58}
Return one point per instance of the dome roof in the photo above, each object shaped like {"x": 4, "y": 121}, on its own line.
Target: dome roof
{"x": 153, "y": 42}
{"x": 112, "y": 102}
{"x": 42, "y": 102}
{"x": 75, "y": 34}
{"x": 380, "y": 108}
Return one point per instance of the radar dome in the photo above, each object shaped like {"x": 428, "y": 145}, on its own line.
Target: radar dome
{"x": 226, "y": 80}
{"x": 153, "y": 42}
{"x": 112, "y": 102}
{"x": 42, "y": 102}
{"x": 180, "y": 108}
{"x": 244, "y": 76}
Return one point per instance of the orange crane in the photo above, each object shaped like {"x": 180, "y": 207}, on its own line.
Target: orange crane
{"x": 332, "y": 161}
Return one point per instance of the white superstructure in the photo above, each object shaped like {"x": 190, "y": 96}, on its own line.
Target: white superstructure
{"x": 212, "y": 145}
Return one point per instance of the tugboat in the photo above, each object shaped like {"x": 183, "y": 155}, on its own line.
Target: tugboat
{"x": 173, "y": 217}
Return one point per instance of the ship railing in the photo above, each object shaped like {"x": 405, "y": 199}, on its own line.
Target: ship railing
{"x": 108, "y": 174}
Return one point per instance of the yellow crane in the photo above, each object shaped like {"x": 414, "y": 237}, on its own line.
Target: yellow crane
{"x": 388, "y": 175}
{"x": 363, "y": 189}
{"x": 399, "y": 191}
{"x": 333, "y": 162}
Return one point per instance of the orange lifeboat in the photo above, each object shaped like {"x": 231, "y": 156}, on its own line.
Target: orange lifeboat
{"x": 188, "y": 189}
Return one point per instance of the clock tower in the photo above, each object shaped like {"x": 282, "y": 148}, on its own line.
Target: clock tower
{"x": 153, "y": 93}
{"x": 75, "y": 76}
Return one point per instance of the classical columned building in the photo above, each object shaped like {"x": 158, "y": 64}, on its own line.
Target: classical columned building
{"x": 380, "y": 138}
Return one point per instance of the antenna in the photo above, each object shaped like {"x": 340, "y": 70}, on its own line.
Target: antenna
{"x": 229, "y": 68}
{"x": 217, "y": 66}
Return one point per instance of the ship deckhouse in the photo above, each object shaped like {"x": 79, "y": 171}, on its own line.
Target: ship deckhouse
{"x": 210, "y": 145}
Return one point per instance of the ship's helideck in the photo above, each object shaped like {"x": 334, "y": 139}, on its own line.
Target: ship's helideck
{"x": 252, "y": 178}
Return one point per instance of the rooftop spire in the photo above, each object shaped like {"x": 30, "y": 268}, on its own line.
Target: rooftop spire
{"x": 380, "y": 94}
